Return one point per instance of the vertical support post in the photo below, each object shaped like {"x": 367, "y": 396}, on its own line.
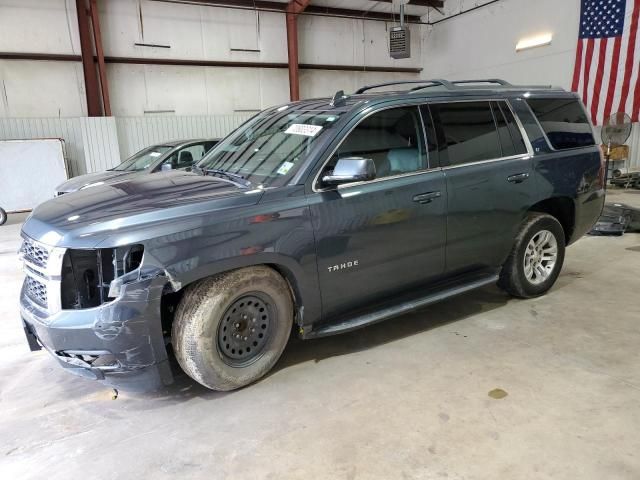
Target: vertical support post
{"x": 294, "y": 7}
{"x": 97, "y": 38}
{"x": 88, "y": 63}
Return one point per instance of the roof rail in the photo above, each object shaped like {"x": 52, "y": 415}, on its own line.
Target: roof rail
{"x": 449, "y": 85}
{"x": 499, "y": 81}
{"x": 444, "y": 83}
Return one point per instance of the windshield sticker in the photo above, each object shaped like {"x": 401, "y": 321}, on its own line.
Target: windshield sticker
{"x": 155, "y": 154}
{"x": 303, "y": 129}
{"x": 284, "y": 168}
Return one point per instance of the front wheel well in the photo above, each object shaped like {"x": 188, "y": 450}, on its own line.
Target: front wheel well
{"x": 170, "y": 299}
{"x": 563, "y": 209}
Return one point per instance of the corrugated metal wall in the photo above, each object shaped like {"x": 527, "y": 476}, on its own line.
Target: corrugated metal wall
{"x": 94, "y": 144}
{"x": 135, "y": 133}
{"x": 100, "y": 140}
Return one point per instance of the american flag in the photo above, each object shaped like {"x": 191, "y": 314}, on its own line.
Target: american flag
{"x": 607, "y": 68}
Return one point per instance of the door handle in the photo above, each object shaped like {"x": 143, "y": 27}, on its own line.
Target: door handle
{"x": 426, "y": 197}
{"x": 518, "y": 178}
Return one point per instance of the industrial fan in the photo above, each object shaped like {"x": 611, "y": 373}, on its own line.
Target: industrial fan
{"x": 615, "y": 131}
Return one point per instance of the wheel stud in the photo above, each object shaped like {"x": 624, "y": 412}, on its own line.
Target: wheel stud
{"x": 237, "y": 325}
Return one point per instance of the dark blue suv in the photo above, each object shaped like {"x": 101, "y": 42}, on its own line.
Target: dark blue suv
{"x": 327, "y": 214}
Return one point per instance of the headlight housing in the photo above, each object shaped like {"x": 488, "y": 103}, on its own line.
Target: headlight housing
{"x": 88, "y": 275}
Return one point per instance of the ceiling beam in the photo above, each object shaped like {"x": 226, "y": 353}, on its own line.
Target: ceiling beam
{"x": 312, "y": 10}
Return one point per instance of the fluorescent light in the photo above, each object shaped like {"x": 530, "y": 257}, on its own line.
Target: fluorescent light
{"x": 532, "y": 42}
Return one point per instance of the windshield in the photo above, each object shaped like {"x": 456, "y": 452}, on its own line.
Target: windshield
{"x": 143, "y": 159}
{"x": 269, "y": 148}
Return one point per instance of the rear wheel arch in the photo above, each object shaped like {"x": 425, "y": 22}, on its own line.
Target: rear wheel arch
{"x": 563, "y": 209}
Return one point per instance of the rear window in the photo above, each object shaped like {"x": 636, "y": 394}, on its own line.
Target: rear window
{"x": 564, "y": 121}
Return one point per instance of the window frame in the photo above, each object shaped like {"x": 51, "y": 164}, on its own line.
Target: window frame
{"x": 544, "y": 133}
{"x": 489, "y": 101}
{"x": 316, "y": 186}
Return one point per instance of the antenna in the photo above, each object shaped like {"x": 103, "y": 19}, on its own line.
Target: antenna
{"x": 339, "y": 99}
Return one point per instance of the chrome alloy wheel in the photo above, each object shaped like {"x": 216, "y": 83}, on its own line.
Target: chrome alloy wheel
{"x": 540, "y": 257}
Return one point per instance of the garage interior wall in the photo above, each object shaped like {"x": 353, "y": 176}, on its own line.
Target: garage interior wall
{"x": 482, "y": 44}
{"x": 153, "y": 103}
{"x": 186, "y": 32}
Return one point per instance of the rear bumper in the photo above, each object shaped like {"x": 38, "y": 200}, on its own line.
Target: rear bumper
{"x": 119, "y": 343}
{"x": 588, "y": 211}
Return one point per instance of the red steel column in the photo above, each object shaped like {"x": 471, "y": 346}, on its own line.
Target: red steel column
{"x": 294, "y": 7}
{"x": 88, "y": 63}
{"x": 97, "y": 38}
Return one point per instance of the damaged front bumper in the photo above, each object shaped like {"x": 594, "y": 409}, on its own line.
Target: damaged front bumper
{"x": 120, "y": 342}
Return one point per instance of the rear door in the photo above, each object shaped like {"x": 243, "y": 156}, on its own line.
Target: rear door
{"x": 488, "y": 169}
{"x": 380, "y": 238}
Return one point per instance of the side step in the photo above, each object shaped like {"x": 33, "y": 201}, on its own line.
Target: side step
{"x": 400, "y": 309}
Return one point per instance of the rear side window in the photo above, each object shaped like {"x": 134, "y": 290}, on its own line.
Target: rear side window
{"x": 468, "y": 131}
{"x": 564, "y": 121}
{"x": 508, "y": 131}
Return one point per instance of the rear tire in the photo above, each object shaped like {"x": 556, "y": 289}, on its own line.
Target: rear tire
{"x": 536, "y": 259}
{"x": 3, "y": 217}
{"x": 230, "y": 330}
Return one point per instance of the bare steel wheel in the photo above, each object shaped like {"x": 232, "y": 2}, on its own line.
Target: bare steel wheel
{"x": 536, "y": 258}
{"x": 245, "y": 329}
{"x": 230, "y": 329}
{"x": 540, "y": 257}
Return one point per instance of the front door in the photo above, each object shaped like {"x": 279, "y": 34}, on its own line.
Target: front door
{"x": 378, "y": 239}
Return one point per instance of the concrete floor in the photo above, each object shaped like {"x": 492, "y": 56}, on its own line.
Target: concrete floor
{"x": 408, "y": 398}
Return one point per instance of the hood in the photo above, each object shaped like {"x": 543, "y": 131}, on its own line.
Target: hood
{"x": 146, "y": 206}
{"x": 77, "y": 183}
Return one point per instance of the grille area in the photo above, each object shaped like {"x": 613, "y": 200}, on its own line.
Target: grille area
{"x": 37, "y": 291}
{"x": 35, "y": 253}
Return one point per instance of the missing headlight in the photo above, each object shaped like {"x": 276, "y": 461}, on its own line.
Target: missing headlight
{"x": 87, "y": 275}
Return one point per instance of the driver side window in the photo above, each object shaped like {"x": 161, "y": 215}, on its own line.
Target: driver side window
{"x": 392, "y": 138}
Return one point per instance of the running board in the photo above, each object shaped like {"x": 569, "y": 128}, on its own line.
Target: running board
{"x": 400, "y": 309}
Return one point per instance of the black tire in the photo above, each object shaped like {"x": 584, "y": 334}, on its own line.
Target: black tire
{"x": 204, "y": 317}
{"x": 513, "y": 278}
{"x": 3, "y": 217}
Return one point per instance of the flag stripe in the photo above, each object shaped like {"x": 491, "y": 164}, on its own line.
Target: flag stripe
{"x": 615, "y": 63}
{"x": 587, "y": 69}
{"x": 630, "y": 57}
{"x": 578, "y": 69}
{"x": 595, "y": 101}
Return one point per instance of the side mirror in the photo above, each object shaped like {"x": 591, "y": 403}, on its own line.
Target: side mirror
{"x": 166, "y": 167}
{"x": 351, "y": 169}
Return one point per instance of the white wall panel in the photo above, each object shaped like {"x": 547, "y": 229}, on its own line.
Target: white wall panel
{"x": 483, "y": 43}
{"x": 68, "y": 129}
{"x": 41, "y": 89}
{"x": 44, "y": 26}
{"x": 100, "y": 142}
